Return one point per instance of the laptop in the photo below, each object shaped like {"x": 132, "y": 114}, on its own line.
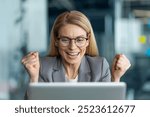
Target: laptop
{"x": 77, "y": 91}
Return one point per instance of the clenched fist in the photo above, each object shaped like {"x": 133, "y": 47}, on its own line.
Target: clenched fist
{"x": 32, "y": 64}
{"x": 120, "y": 65}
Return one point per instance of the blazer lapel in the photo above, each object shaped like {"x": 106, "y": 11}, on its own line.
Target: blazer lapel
{"x": 58, "y": 73}
{"x": 84, "y": 71}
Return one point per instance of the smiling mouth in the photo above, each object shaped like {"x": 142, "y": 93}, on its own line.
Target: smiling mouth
{"x": 73, "y": 53}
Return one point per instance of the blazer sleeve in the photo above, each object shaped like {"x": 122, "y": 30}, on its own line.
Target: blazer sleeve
{"x": 105, "y": 75}
{"x": 46, "y": 69}
{"x": 41, "y": 79}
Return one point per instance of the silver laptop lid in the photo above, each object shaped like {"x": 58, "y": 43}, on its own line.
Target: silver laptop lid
{"x": 77, "y": 91}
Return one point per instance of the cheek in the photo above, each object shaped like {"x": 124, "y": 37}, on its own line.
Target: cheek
{"x": 61, "y": 50}
{"x": 85, "y": 47}
{"x": 82, "y": 51}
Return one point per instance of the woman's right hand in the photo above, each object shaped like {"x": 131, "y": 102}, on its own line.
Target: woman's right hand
{"x": 32, "y": 64}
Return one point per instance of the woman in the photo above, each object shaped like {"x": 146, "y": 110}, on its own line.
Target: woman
{"x": 73, "y": 55}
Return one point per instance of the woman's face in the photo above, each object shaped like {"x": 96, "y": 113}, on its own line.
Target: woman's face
{"x": 72, "y": 50}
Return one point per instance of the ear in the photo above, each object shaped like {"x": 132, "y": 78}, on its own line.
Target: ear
{"x": 87, "y": 43}
{"x": 56, "y": 43}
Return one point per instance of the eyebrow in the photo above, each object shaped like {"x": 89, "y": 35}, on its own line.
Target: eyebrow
{"x": 71, "y": 37}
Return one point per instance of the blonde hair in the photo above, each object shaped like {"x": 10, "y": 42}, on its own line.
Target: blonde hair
{"x": 76, "y": 18}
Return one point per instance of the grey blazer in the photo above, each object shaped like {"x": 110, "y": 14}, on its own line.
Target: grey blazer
{"x": 92, "y": 69}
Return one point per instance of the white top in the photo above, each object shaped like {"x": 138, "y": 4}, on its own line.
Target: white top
{"x": 72, "y": 80}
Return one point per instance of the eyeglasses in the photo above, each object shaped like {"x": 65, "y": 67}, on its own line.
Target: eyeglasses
{"x": 79, "y": 41}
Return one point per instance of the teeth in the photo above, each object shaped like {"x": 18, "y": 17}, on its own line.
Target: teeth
{"x": 73, "y": 53}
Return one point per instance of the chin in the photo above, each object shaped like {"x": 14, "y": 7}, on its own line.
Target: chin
{"x": 72, "y": 61}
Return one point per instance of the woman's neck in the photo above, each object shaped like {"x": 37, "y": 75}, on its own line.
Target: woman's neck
{"x": 71, "y": 70}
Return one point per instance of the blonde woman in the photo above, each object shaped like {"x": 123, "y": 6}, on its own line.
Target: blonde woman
{"x": 73, "y": 55}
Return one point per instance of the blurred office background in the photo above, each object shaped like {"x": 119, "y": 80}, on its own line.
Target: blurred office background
{"x": 120, "y": 26}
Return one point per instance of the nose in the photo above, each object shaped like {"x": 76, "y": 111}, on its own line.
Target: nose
{"x": 72, "y": 45}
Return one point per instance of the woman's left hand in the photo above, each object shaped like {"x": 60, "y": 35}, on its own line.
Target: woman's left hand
{"x": 120, "y": 65}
